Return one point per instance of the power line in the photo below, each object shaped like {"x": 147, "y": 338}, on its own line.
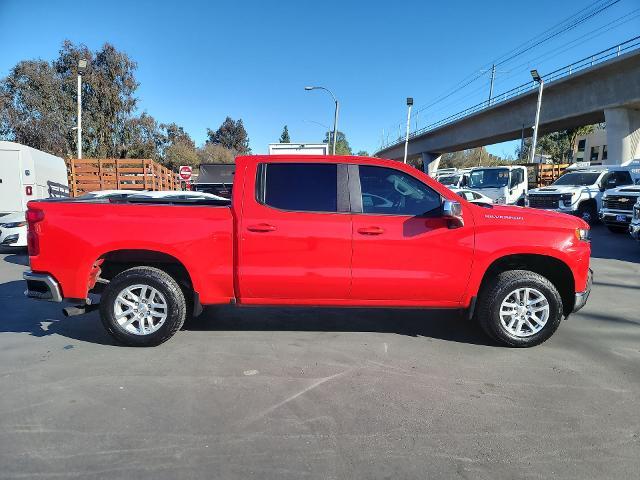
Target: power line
{"x": 560, "y": 28}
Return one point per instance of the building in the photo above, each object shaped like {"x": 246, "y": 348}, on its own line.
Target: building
{"x": 591, "y": 147}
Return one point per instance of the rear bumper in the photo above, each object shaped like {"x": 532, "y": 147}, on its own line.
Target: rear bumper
{"x": 582, "y": 297}
{"x": 42, "y": 287}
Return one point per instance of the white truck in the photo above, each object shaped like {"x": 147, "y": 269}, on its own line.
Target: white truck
{"x": 298, "y": 149}
{"x": 504, "y": 185}
{"x": 634, "y": 226}
{"x": 579, "y": 191}
{"x": 617, "y": 207}
{"x": 26, "y": 174}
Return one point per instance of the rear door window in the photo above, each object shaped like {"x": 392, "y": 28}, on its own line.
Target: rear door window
{"x": 302, "y": 187}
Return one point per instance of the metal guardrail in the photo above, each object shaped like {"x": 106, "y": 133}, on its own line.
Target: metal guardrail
{"x": 563, "y": 72}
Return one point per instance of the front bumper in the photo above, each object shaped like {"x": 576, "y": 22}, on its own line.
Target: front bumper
{"x": 615, "y": 218}
{"x": 634, "y": 230}
{"x": 42, "y": 287}
{"x": 582, "y": 297}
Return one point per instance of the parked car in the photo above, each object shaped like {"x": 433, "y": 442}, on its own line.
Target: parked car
{"x": 13, "y": 230}
{"x": 617, "y": 207}
{"x": 299, "y": 232}
{"x": 471, "y": 196}
{"x": 505, "y": 185}
{"x": 579, "y": 191}
{"x": 634, "y": 226}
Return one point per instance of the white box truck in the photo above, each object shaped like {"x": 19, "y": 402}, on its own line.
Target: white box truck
{"x": 298, "y": 149}
{"x": 26, "y": 174}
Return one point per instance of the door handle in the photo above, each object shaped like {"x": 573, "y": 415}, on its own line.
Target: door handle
{"x": 261, "y": 227}
{"x": 370, "y": 231}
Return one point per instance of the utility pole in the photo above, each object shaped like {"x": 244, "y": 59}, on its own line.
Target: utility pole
{"x": 82, "y": 65}
{"x": 493, "y": 77}
{"x": 406, "y": 137}
{"x": 536, "y": 78}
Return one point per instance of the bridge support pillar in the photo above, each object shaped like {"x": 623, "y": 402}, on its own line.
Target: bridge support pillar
{"x": 623, "y": 135}
{"x": 430, "y": 162}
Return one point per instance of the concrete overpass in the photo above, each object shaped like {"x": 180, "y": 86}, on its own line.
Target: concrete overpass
{"x": 605, "y": 92}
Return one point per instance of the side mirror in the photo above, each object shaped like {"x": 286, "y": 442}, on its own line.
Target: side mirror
{"x": 601, "y": 187}
{"x": 452, "y": 211}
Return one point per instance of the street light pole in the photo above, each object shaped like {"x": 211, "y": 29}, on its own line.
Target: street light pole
{"x": 335, "y": 115}
{"x": 82, "y": 65}
{"x": 406, "y": 137}
{"x": 534, "y": 140}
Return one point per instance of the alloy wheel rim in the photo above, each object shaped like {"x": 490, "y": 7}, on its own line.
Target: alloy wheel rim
{"x": 140, "y": 309}
{"x": 524, "y": 312}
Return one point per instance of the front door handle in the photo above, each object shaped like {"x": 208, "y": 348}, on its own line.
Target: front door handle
{"x": 370, "y": 231}
{"x": 261, "y": 227}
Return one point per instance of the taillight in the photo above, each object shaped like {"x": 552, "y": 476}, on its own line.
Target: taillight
{"x": 28, "y": 190}
{"x": 34, "y": 216}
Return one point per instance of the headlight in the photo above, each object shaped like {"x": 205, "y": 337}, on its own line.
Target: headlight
{"x": 583, "y": 234}
{"x": 500, "y": 200}
{"x": 566, "y": 197}
{"x": 13, "y": 225}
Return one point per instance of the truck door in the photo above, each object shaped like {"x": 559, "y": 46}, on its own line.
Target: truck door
{"x": 294, "y": 234}
{"x": 403, "y": 250}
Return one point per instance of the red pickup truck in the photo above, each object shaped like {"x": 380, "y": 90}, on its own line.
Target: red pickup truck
{"x": 310, "y": 230}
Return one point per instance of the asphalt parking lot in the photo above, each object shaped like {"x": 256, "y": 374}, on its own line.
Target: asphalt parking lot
{"x": 332, "y": 393}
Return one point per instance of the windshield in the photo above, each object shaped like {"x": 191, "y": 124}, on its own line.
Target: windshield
{"x": 578, "y": 179}
{"x": 489, "y": 178}
{"x": 449, "y": 180}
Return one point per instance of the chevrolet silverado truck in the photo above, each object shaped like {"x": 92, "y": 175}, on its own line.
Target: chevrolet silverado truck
{"x": 617, "y": 207}
{"x": 634, "y": 226}
{"x": 299, "y": 230}
{"x": 579, "y": 191}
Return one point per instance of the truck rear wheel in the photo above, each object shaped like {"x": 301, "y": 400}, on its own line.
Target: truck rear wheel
{"x": 519, "y": 308}
{"x": 142, "y": 307}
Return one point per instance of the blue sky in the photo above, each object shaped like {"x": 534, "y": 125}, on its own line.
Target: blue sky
{"x": 200, "y": 61}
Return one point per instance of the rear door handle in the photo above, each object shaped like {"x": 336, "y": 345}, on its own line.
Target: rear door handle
{"x": 261, "y": 227}
{"x": 370, "y": 231}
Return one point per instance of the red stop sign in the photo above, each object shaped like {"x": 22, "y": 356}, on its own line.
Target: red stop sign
{"x": 185, "y": 172}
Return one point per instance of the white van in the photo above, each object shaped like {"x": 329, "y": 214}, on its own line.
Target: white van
{"x": 29, "y": 174}
{"x": 26, "y": 174}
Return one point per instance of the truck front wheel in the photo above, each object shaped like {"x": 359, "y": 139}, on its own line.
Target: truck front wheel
{"x": 142, "y": 307}
{"x": 519, "y": 308}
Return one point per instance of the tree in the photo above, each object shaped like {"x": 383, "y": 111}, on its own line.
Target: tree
{"x": 34, "y": 111}
{"x": 474, "y": 157}
{"x": 558, "y": 145}
{"x": 180, "y": 153}
{"x": 284, "y": 138}
{"x": 215, "y": 153}
{"x": 39, "y": 102}
{"x": 362, "y": 153}
{"x": 342, "y": 145}
{"x": 232, "y": 135}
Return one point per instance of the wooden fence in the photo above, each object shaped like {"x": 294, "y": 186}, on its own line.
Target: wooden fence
{"x": 89, "y": 174}
{"x": 542, "y": 174}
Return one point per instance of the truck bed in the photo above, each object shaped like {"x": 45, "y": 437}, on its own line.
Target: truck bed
{"x": 199, "y": 234}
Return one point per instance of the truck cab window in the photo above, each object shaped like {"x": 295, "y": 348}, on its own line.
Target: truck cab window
{"x": 392, "y": 192}
{"x": 303, "y": 187}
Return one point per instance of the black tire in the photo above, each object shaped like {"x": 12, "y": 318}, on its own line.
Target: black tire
{"x": 498, "y": 289}
{"x": 588, "y": 212}
{"x": 153, "y": 277}
{"x": 617, "y": 229}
